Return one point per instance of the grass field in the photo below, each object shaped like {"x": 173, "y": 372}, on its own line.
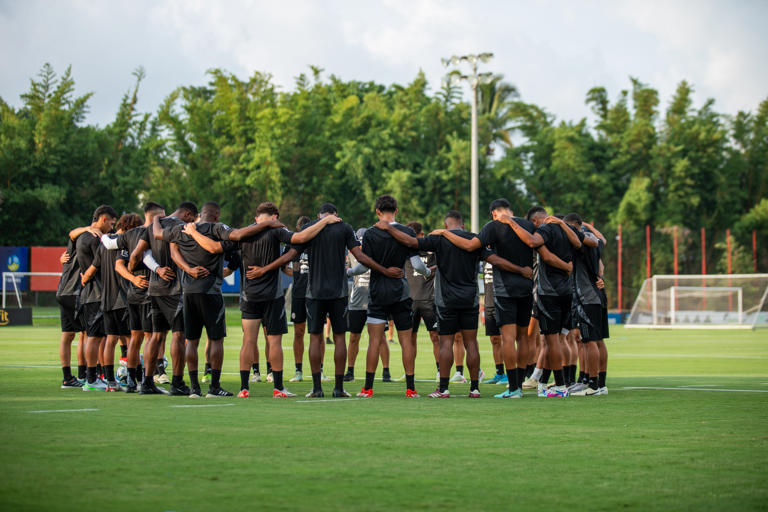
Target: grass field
{"x": 695, "y": 438}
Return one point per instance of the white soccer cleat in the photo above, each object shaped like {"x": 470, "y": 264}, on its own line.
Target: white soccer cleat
{"x": 458, "y": 377}
{"x": 298, "y": 377}
{"x": 256, "y": 377}
{"x": 270, "y": 378}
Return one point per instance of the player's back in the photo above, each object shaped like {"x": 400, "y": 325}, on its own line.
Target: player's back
{"x": 387, "y": 252}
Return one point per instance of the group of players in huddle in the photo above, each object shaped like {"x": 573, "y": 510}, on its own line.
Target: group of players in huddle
{"x": 126, "y": 282}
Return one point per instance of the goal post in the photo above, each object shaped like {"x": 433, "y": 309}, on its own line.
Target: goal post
{"x": 12, "y": 279}
{"x": 728, "y": 301}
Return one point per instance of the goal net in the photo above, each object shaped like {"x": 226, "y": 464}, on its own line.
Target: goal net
{"x": 731, "y": 301}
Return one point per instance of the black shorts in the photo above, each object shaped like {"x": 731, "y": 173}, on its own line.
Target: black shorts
{"x": 318, "y": 310}
{"x": 424, "y": 310}
{"x": 401, "y": 313}
{"x": 167, "y": 313}
{"x": 513, "y": 310}
{"x": 140, "y": 317}
{"x": 204, "y": 310}
{"x": 92, "y": 319}
{"x": 270, "y": 312}
{"x": 453, "y": 320}
{"x": 356, "y": 319}
{"x": 70, "y": 322}
{"x": 116, "y": 322}
{"x": 553, "y": 313}
{"x": 298, "y": 310}
{"x": 491, "y": 327}
{"x": 589, "y": 321}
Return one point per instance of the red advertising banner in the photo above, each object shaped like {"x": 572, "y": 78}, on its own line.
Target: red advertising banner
{"x": 45, "y": 259}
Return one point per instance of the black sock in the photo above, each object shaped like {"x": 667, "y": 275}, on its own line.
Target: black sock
{"x": 316, "y": 381}
{"x": 299, "y": 366}
{"x": 123, "y": 350}
{"x": 269, "y": 367}
{"x": 277, "y": 379}
{"x": 321, "y": 368}
{"x": 512, "y": 378}
{"x": 109, "y": 372}
{"x": 500, "y": 369}
{"x": 529, "y": 370}
{"x": 520, "y": 377}
{"x": 81, "y": 371}
{"x": 573, "y": 373}
{"x": 193, "y": 382}
{"x": 132, "y": 374}
{"x": 91, "y": 374}
{"x": 369, "y": 380}
{"x": 67, "y": 371}
{"x": 244, "y": 379}
{"x": 410, "y": 382}
{"x": 460, "y": 368}
{"x": 601, "y": 379}
{"x": 177, "y": 381}
{"x": 207, "y": 368}
{"x": 254, "y": 366}
{"x": 351, "y": 370}
{"x": 139, "y": 372}
{"x": 545, "y": 373}
{"x": 215, "y": 378}
{"x": 443, "y": 384}
{"x": 559, "y": 377}
{"x": 339, "y": 382}
{"x": 593, "y": 382}
{"x": 473, "y": 384}
{"x": 581, "y": 375}
{"x": 99, "y": 370}
{"x": 438, "y": 365}
{"x": 384, "y": 371}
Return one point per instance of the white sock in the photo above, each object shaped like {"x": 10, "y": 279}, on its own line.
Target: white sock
{"x": 536, "y": 374}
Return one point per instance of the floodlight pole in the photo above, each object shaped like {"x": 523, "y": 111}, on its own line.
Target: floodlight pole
{"x": 474, "y": 173}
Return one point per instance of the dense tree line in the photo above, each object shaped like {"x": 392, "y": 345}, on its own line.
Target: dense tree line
{"x": 239, "y": 142}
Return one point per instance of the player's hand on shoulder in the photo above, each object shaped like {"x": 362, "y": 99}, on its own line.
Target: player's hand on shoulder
{"x": 95, "y": 232}
{"x": 331, "y": 219}
{"x": 383, "y": 225}
{"x": 65, "y": 257}
{"x": 438, "y": 232}
{"x": 190, "y": 228}
{"x": 600, "y": 283}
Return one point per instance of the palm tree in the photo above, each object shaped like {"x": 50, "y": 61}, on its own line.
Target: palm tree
{"x": 494, "y": 101}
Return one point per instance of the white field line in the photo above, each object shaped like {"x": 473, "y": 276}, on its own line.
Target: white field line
{"x": 62, "y": 410}
{"x": 29, "y": 366}
{"x": 642, "y": 388}
{"x": 329, "y": 400}
{"x": 198, "y": 406}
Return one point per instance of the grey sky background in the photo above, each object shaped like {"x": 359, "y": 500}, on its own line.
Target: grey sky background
{"x": 553, "y": 51}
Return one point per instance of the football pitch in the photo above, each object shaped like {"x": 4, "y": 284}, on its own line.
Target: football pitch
{"x": 684, "y": 426}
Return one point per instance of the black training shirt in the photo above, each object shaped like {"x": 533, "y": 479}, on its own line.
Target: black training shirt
{"x": 553, "y": 281}
{"x": 422, "y": 288}
{"x": 127, "y": 242}
{"x": 457, "y": 269}
{"x": 300, "y": 266}
{"x": 261, "y": 250}
{"x": 387, "y": 252}
{"x": 327, "y": 257}
{"x": 503, "y": 241}
{"x": 112, "y": 293}
{"x": 87, "y": 247}
{"x": 196, "y": 256}
{"x": 161, "y": 252}
{"x": 69, "y": 283}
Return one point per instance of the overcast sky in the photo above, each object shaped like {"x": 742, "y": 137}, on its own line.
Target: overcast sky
{"x": 553, "y": 51}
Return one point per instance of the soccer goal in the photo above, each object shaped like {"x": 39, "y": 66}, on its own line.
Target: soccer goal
{"x": 730, "y": 301}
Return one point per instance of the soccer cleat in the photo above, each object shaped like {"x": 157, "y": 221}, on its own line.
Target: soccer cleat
{"x": 412, "y": 393}
{"x": 541, "y": 390}
{"x": 328, "y": 341}
{"x": 365, "y": 393}
{"x": 130, "y": 385}
{"x": 297, "y": 377}
{"x": 323, "y": 378}
{"x": 391, "y": 341}
{"x": 182, "y": 390}
{"x": 97, "y": 385}
{"x": 243, "y": 394}
{"x": 256, "y": 377}
{"x": 349, "y": 376}
{"x": 440, "y": 394}
{"x": 161, "y": 379}
{"x": 385, "y": 376}
{"x": 481, "y": 374}
{"x": 530, "y": 383}
{"x": 437, "y": 379}
{"x": 557, "y": 392}
{"x": 340, "y": 393}
{"x": 112, "y": 387}
{"x": 206, "y": 378}
{"x": 474, "y": 393}
{"x": 510, "y": 394}
{"x": 123, "y": 361}
{"x": 217, "y": 392}
{"x": 458, "y": 377}
{"x": 493, "y": 380}
{"x": 603, "y": 390}
{"x": 575, "y": 389}
{"x": 282, "y": 393}
{"x": 270, "y": 377}
{"x": 195, "y": 392}
{"x": 504, "y": 381}
{"x": 315, "y": 393}
{"x": 148, "y": 388}
{"x": 71, "y": 383}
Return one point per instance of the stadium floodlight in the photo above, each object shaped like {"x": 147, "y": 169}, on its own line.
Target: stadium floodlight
{"x": 723, "y": 301}
{"x": 474, "y": 79}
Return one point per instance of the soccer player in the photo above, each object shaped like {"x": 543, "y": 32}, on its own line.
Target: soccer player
{"x": 390, "y": 296}
{"x": 456, "y": 295}
{"x": 327, "y": 292}
{"x": 165, "y": 297}
{"x": 261, "y": 296}
{"x": 114, "y": 304}
{"x": 299, "y": 272}
{"x": 553, "y": 288}
{"x": 423, "y": 295}
{"x": 67, "y": 295}
{"x": 104, "y": 219}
